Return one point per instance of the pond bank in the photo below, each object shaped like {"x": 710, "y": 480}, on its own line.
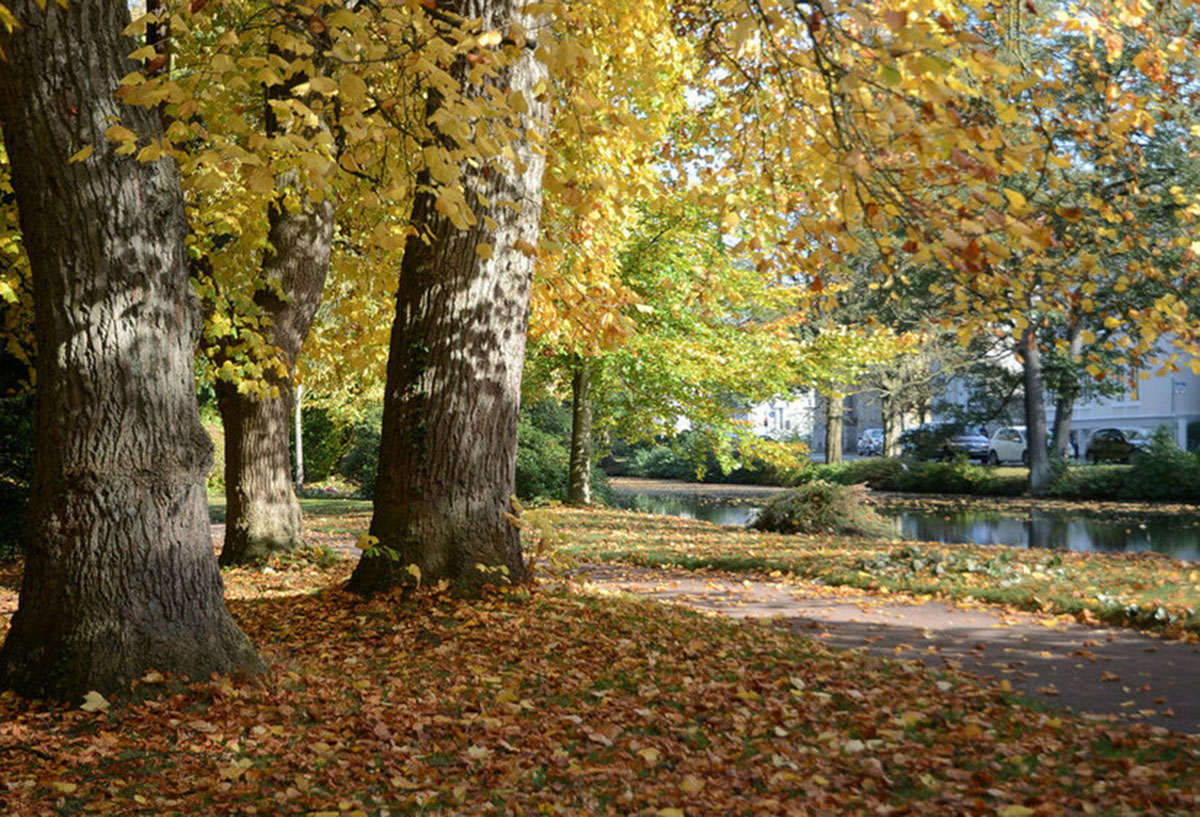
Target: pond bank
{"x": 758, "y": 494}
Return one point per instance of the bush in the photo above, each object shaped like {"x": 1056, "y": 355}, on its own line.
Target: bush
{"x": 361, "y": 459}
{"x": 327, "y": 439}
{"x": 957, "y": 477}
{"x": 1164, "y": 470}
{"x": 542, "y": 462}
{"x": 544, "y": 455}
{"x": 689, "y": 452}
{"x": 1091, "y": 482}
{"x": 822, "y": 507}
{"x": 662, "y": 462}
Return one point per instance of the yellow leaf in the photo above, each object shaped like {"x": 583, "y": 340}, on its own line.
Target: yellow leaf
{"x": 484, "y": 251}
{"x": 1015, "y": 199}
{"x": 1015, "y": 811}
{"x": 670, "y": 812}
{"x": 60, "y": 787}
{"x": 120, "y": 133}
{"x": 414, "y": 571}
{"x": 691, "y": 785}
{"x": 81, "y": 155}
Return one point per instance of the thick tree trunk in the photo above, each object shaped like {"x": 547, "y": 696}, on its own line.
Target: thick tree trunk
{"x": 579, "y": 482}
{"x": 119, "y": 574}
{"x": 835, "y": 417}
{"x": 262, "y": 515}
{"x": 1040, "y": 474}
{"x": 447, "y": 454}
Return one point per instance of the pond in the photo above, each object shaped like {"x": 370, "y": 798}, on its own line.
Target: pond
{"x": 1174, "y": 536}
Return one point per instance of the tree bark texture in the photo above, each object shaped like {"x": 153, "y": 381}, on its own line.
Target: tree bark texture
{"x": 835, "y": 417}
{"x": 579, "y": 481}
{"x": 1040, "y": 474}
{"x": 262, "y": 514}
{"x": 119, "y": 574}
{"x": 448, "y": 449}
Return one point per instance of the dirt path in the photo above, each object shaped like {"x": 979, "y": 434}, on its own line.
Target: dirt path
{"x": 1109, "y": 672}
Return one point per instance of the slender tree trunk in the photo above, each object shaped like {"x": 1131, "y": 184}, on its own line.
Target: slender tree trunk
{"x": 835, "y": 417}
{"x": 579, "y": 483}
{"x": 891, "y": 411}
{"x": 1064, "y": 401}
{"x": 119, "y": 575}
{"x": 262, "y": 514}
{"x": 1064, "y": 407}
{"x": 1040, "y": 474}
{"x": 448, "y": 449}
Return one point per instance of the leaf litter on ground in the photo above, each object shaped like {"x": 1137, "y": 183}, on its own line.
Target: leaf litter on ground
{"x": 540, "y": 701}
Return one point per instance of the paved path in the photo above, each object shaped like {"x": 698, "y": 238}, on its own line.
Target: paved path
{"x": 1112, "y": 672}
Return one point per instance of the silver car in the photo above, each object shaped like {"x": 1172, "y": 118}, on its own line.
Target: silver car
{"x": 870, "y": 442}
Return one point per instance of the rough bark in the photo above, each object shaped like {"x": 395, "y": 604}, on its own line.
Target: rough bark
{"x": 262, "y": 515}
{"x": 119, "y": 573}
{"x": 448, "y": 449}
{"x": 1040, "y": 474}
{"x": 835, "y": 417}
{"x": 579, "y": 482}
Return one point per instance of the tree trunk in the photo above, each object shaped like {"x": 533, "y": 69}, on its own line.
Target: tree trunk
{"x": 447, "y": 455}
{"x": 892, "y": 412}
{"x": 119, "y": 574}
{"x": 834, "y": 422}
{"x": 1064, "y": 401}
{"x": 1040, "y": 474}
{"x": 1064, "y": 407}
{"x": 579, "y": 484}
{"x": 262, "y": 514}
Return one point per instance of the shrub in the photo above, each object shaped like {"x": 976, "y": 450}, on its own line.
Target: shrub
{"x": 544, "y": 455}
{"x": 542, "y": 461}
{"x": 822, "y": 507}
{"x": 327, "y": 439}
{"x": 662, "y": 462}
{"x": 1091, "y": 482}
{"x": 1164, "y": 470}
{"x": 361, "y": 459}
{"x": 957, "y": 478}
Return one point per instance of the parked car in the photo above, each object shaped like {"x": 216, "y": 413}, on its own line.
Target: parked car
{"x": 1116, "y": 444}
{"x": 1008, "y": 445}
{"x": 870, "y": 442}
{"x": 942, "y": 441}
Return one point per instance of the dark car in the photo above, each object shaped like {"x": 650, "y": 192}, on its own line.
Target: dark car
{"x": 1116, "y": 444}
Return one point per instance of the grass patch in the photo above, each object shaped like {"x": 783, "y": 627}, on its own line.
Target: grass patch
{"x": 1143, "y": 589}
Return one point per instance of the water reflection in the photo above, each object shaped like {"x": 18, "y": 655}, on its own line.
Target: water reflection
{"x": 689, "y": 507}
{"x": 1045, "y": 529}
{"x": 1179, "y": 538}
